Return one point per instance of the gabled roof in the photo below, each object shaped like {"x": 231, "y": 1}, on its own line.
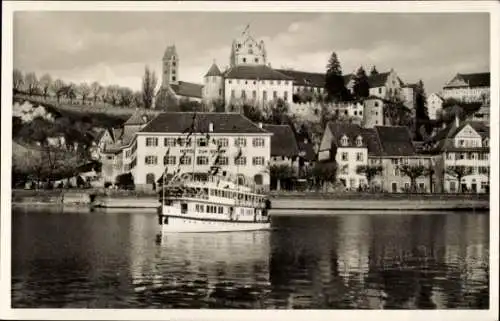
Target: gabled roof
{"x": 378, "y": 80}
{"x": 351, "y": 131}
{"x": 187, "y": 89}
{"x": 372, "y": 142}
{"x": 260, "y": 72}
{"x": 178, "y": 122}
{"x": 303, "y": 78}
{"x": 395, "y": 141}
{"x": 138, "y": 118}
{"x": 442, "y": 140}
{"x": 283, "y": 141}
{"x": 213, "y": 71}
{"x": 474, "y": 80}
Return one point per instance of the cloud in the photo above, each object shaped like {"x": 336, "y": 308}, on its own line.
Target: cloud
{"x": 114, "y": 47}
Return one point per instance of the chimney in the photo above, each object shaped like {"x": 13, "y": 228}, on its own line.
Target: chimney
{"x": 457, "y": 120}
{"x": 260, "y": 124}
{"x": 211, "y": 127}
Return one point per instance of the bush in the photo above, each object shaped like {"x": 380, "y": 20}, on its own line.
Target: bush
{"x": 125, "y": 181}
{"x": 107, "y": 184}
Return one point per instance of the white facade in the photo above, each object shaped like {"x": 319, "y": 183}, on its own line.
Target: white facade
{"x": 392, "y": 87}
{"x": 472, "y": 156}
{"x": 434, "y": 106}
{"x": 260, "y": 92}
{"x": 213, "y": 88}
{"x": 460, "y": 89}
{"x": 247, "y": 51}
{"x": 150, "y": 159}
{"x": 373, "y": 112}
{"x": 408, "y": 93}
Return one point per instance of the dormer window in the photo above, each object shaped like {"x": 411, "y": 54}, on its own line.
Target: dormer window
{"x": 359, "y": 141}
{"x": 344, "y": 141}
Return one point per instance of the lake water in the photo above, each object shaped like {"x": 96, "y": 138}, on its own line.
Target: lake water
{"x": 77, "y": 259}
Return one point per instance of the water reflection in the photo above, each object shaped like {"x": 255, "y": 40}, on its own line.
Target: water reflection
{"x": 116, "y": 260}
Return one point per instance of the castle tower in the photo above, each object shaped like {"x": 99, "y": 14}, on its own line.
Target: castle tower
{"x": 170, "y": 67}
{"x": 213, "y": 88}
{"x": 245, "y": 50}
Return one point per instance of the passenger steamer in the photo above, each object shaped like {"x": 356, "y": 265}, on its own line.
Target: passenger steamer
{"x": 197, "y": 202}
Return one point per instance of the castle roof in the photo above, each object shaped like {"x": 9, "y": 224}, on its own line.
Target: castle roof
{"x": 213, "y": 71}
{"x": 302, "y": 78}
{"x": 170, "y": 52}
{"x": 378, "y": 80}
{"x": 187, "y": 89}
{"x": 472, "y": 80}
{"x": 258, "y": 72}
{"x": 283, "y": 141}
{"x": 179, "y": 122}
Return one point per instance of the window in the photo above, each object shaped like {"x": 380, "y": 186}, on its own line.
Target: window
{"x": 240, "y": 161}
{"x": 380, "y": 90}
{"x": 169, "y": 160}
{"x": 223, "y": 142}
{"x": 258, "y": 142}
{"x": 344, "y": 157}
{"x": 229, "y": 81}
{"x": 344, "y": 141}
{"x": 185, "y": 160}
{"x": 264, "y": 95}
{"x": 450, "y": 156}
{"x": 359, "y": 141}
{"x": 258, "y": 160}
{"x": 232, "y": 93}
{"x": 285, "y": 96}
{"x": 254, "y": 94}
{"x": 355, "y": 113}
{"x": 201, "y": 160}
{"x": 256, "y": 60}
{"x": 240, "y": 142}
{"x": 271, "y": 82}
{"x": 376, "y": 104}
{"x": 279, "y": 82}
{"x": 150, "y": 178}
{"x": 461, "y": 156}
{"x": 201, "y": 142}
{"x": 151, "y": 160}
{"x": 359, "y": 157}
{"x": 244, "y": 59}
{"x": 168, "y": 142}
{"x": 246, "y": 82}
{"x": 345, "y": 170}
{"x": 275, "y": 94}
{"x": 220, "y": 210}
{"x": 243, "y": 95}
{"x": 223, "y": 160}
{"x": 151, "y": 141}
{"x": 173, "y": 78}
{"x": 453, "y": 187}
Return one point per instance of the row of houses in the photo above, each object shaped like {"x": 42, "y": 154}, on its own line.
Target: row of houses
{"x": 148, "y": 145}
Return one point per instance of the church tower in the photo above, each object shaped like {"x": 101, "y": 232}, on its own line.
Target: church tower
{"x": 247, "y": 51}
{"x": 170, "y": 67}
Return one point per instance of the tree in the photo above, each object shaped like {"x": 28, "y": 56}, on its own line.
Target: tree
{"x": 45, "y": 84}
{"x": 18, "y": 80}
{"x": 95, "y": 90}
{"x": 278, "y": 112}
{"x": 69, "y": 91}
{"x": 113, "y": 94}
{"x": 458, "y": 172}
{"x": 31, "y": 83}
{"x": 421, "y": 113}
{"x": 149, "y": 82}
{"x": 370, "y": 171}
{"x": 253, "y": 113}
{"x": 219, "y": 105}
{"x": 334, "y": 81}
{"x": 137, "y": 100}
{"x": 397, "y": 113}
{"x": 58, "y": 88}
{"x": 413, "y": 172}
{"x": 126, "y": 95}
{"x": 125, "y": 181}
{"x": 361, "y": 86}
{"x": 166, "y": 101}
{"x": 324, "y": 172}
{"x": 280, "y": 173}
{"x": 374, "y": 71}
{"x": 85, "y": 91}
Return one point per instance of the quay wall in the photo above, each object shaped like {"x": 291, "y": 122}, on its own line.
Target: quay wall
{"x": 284, "y": 203}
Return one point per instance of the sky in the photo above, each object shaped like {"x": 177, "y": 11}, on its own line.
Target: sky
{"x": 115, "y": 47}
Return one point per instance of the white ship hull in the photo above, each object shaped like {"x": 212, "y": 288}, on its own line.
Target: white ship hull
{"x": 177, "y": 224}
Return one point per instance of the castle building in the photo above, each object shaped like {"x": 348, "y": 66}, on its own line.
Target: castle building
{"x": 171, "y": 86}
{"x": 468, "y": 87}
